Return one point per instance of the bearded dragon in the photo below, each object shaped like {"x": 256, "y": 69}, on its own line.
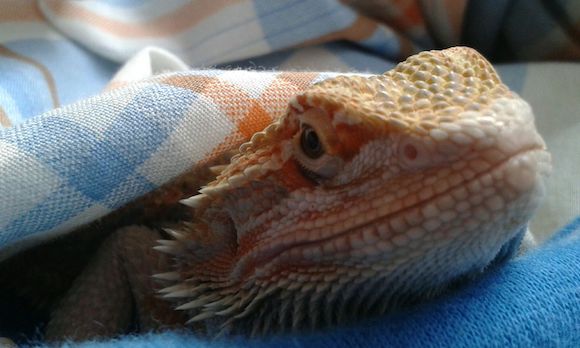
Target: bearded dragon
{"x": 366, "y": 192}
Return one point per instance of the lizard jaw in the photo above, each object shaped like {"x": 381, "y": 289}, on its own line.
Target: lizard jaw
{"x": 375, "y": 250}
{"x": 253, "y": 298}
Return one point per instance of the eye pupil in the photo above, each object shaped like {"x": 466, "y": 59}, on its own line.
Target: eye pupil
{"x": 310, "y": 143}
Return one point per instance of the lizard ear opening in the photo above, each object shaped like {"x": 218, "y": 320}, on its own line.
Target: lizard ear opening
{"x": 313, "y": 146}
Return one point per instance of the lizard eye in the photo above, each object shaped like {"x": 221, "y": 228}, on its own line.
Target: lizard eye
{"x": 313, "y": 144}
{"x": 310, "y": 142}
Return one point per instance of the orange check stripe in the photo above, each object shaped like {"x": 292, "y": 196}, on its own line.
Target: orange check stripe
{"x": 250, "y": 115}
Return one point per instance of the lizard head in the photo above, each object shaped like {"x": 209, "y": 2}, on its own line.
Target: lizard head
{"x": 367, "y": 190}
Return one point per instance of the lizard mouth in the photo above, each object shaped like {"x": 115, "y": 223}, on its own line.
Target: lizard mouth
{"x": 512, "y": 178}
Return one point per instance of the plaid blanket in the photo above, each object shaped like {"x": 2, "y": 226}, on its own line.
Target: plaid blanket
{"x": 75, "y": 164}
{"x": 103, "y": 101}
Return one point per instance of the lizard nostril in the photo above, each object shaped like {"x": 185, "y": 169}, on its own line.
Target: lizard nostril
{"x": 410, "y": 152}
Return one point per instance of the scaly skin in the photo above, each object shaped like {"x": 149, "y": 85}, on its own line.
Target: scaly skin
{"x": 367, "y": 191}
